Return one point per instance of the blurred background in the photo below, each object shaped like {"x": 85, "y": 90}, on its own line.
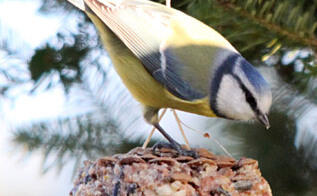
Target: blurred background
{"x": 61, "y": 102}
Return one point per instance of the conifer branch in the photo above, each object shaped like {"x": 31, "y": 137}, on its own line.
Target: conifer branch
{"x": 283, "y": 32}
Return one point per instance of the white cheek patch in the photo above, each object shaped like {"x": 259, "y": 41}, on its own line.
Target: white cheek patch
{"x": 231, "y": 100}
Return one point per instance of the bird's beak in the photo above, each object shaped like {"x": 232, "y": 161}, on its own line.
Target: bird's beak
{"x": 262, "y": 118}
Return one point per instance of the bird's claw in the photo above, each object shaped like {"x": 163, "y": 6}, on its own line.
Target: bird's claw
{"x": 175, "y": 146}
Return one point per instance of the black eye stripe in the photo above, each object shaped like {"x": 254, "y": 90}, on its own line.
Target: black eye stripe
{"x": 248, "y": 95}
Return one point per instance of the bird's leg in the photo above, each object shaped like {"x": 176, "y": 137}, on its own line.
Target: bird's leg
{"x": 151, "y": 116}
{"x": 173, "y": 144}
{"x": 148, "y": 139}
{"x": 181, "y": 129}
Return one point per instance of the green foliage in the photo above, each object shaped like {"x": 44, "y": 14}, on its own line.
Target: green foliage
{"x": 244, "y": 22}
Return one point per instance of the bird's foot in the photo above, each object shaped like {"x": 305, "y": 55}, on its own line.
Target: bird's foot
{"x": 176, "y": 146}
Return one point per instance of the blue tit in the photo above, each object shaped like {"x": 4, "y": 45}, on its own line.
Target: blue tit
{"x": 168, "y": 59}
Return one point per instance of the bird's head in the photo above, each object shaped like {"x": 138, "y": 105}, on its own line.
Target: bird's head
{"x": 238, "y": 91}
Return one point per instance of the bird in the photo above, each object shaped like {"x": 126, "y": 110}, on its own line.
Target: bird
{"x": 168, "y": 59}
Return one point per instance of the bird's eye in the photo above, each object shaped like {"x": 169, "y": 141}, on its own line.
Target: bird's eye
{"x": 250, "y": 99}
{"x": 248, "y": 95}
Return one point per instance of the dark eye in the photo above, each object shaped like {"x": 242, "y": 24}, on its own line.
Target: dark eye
{"x": 248, "y": 95}
{"x": 250, "y": 99}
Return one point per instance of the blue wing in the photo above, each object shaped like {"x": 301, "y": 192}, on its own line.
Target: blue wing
{"x": 169, "y": 75}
